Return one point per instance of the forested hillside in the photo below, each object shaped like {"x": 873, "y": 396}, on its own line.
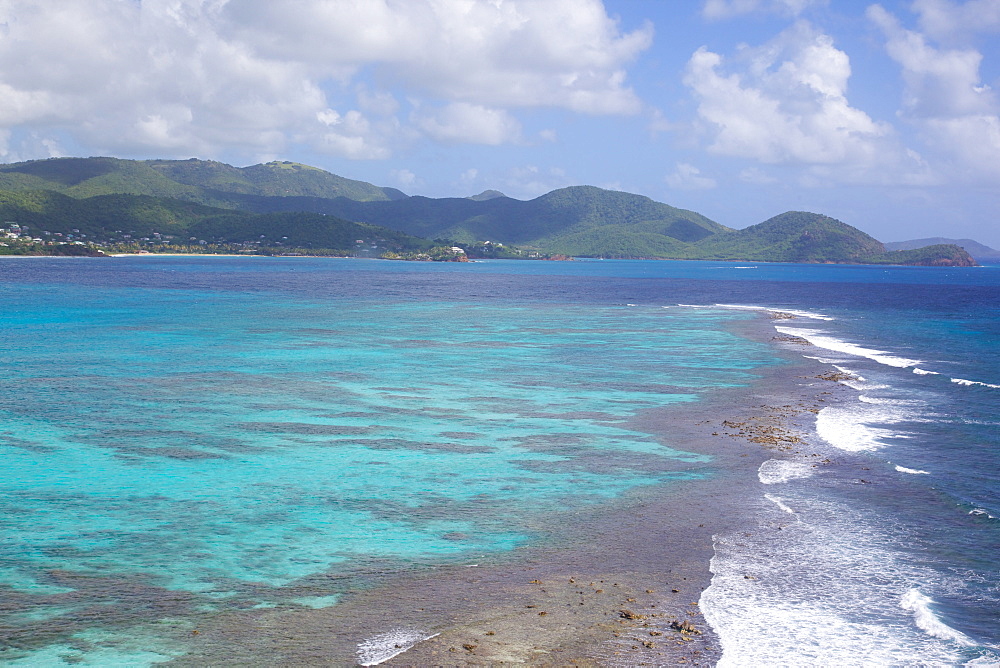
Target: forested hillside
{"x": 284, "y": 206}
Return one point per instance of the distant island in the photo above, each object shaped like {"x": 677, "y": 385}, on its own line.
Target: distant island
{"x": 978, "y": 251}
{"x": 103, "y": 206}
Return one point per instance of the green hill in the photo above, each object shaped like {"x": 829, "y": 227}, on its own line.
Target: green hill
{"x": 110, "y": 200}
{"x": 303, "y": 231}
{"x": 938, "y": 255}
{"x": 202, "y": 181}
{"x": 795, "y": 236}
{"x": 974, "y": 248}
{"x": 581, "y": 220}
{"x": 273, "y": 179}
{"x": 101, "y": 216}
{"x": 799, "y": 236}
{"x": 129, "y": 219}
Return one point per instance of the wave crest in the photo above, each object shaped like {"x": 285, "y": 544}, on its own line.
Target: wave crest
{"x": 383, "y": 646}
{"x": 822, "y": 339}
{"x": 925, "y": 619}
{"x": 962, "y": 381}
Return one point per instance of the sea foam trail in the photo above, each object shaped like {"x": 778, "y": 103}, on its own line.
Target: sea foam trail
{"x": 822, "y": 339}
{"x": 778, "y": 501}
{"x": 925, "y": 619}
{"x": 903, "y": 469}
{"x": 384, "y": 646}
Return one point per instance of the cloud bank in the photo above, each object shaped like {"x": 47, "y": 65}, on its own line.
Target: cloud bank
{"x": 205, "y": 76}
{"x": 956, "y": 114}
{"x": 785, "y": 102}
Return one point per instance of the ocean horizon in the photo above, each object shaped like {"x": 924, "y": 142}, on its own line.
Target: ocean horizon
{"x": 320, "y": 461}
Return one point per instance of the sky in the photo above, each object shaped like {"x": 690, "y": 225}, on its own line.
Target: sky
{"x": 885, "y": 116}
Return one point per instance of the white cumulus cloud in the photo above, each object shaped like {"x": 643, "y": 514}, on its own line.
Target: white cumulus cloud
{"x": 957, "y": 115}
{"x": 757, "y": 176}
{"x": 689, "y": 177}
{"x": 562, "y": 53}
{"x": 466, "y": 123}
{"x": 404, "y": 178}
{"x": 948, "y": 20}
{"x": 725, "y": 9}
{"x": 786, "y": 103}
{"x": 939, "y": 82}
{"x": 531, "y": 181}
{"x": 204, "y": 77}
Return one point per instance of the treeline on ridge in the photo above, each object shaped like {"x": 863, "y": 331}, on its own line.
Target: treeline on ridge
{"x": 282, "y": 204}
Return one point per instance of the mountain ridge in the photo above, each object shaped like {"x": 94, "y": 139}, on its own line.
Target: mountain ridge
{"x": 183, "y": 179}
{"x": 573, "y": 221}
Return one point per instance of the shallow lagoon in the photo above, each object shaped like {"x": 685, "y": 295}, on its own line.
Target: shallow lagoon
{"x": 221, "y": 448}
{"x": 248, "y": 443}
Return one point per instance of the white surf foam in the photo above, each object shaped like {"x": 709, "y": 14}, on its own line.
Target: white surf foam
{"x": 846, "y": 428}
{"x": 981, "y": 511}
{"x": 924, "y": 372}
{"x": 809, "y": 315}
{"x": 778, "y": 501}
{"x": 823, "y": 339}
{"x": 861, "y": 386}
{"x": 919, "y": 604}
{"x": 962, "y": 381}
{"x": 823, "y": 360}
{"x": 384, "y": 646}
{"x": 779, "y": 593}
{"x": 856, "y": 380}
{"x": 885, "y": 401}
{"x": 776, "y": 471}
{"x": 850, "y": 372}
{"x": 903, "y": 469}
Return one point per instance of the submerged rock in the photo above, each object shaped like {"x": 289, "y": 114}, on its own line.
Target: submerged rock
{"x": 684, "y": 627}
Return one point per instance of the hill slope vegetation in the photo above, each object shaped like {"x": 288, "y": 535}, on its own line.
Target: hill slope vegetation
{"x": 581, "y": 220}
{"x": 974, "y": 248}
{"x": 117, "y": 220}
{"x": 292, "y": 205}
{"x": 201, "y": 181}
{"x": 800, "y": 236}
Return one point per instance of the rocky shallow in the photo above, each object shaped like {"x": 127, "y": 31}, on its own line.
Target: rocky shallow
{"x": 615, "y": 586}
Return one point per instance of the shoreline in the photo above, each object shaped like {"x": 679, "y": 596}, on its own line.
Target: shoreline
{"x": 988, "y": 264}
{"x": 186, "y": 255}
{"x": 628, "y": 591}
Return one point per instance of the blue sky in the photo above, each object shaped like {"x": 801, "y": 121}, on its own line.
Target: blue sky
{"x": 885, "y": 116}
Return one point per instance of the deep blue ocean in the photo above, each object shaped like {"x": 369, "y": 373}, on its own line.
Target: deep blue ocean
{"x": 185, "y": 436}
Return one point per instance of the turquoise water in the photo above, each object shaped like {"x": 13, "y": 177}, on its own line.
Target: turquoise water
{"x": 183, "y": 438}
{"x": 174, "y": 452}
